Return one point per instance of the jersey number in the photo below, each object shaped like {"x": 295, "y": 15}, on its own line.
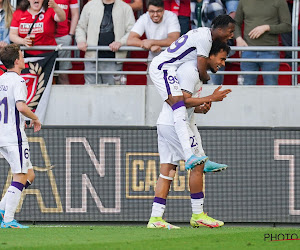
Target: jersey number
{"x": 172, "y": 80}
{"x": 26, "y": 153}
{"x": 177, "y": 44}
{"x": 4, "y": 102}
{"x": 194, "y": 142}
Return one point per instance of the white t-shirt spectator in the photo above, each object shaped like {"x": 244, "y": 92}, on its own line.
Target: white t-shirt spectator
{"x": 157, "y": 31}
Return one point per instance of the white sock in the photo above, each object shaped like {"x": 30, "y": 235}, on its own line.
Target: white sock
{"x": 3, "y": 202}
{"x": 13, "y": 197}
{"x": 181, "y": 129}
{"x": 157, "y": 209}
{"x": 197, "y": 205}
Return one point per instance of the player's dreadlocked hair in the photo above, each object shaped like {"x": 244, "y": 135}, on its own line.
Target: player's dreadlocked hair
{"x": 222, "y": 21}
{"x": 218, "y": 46}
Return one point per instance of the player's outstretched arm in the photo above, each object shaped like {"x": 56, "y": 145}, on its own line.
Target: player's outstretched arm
{"x": 217, "y": 96}
{"x": 23, "y": 108}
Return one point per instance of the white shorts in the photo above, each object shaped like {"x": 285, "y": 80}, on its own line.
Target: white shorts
{"x": 165, "y": 81}
{"x": 169, "y": 147}
{"x": 18, "y": 158}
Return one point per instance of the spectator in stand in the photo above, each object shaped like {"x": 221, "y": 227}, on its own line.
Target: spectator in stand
{"x": 47, "y": 14}
{"x": 136, "y": 5}
{"x": 104, "y": 23}
{"x": 286, "y": 38}
{"x": 182, "y": 8}
{"x": 263, "y": 21}
{"x": 6, "y": 13}
{"x": 231, "y": 6}
{"x": 213, "y": 8}
{"x": 210, "y": 10}
{"x": 65, "y": 32}
{"x": 160, "y": 26}
{"x": 196, "y": 6}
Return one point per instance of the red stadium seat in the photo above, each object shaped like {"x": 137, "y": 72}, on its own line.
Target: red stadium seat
{"x": 260, "y": 80}
{"x": 139, "y": 54}
{"x": 282, "y": 54}
{"x": 282, "y": 79}
{"x": 285, "y": 79}
{"x": 231, "y": 79}
{"x": 135, "y": 79}
{"x": 136, "y": 66}
{"x": 298, "y": 75}
{"x": 77, "y": 79}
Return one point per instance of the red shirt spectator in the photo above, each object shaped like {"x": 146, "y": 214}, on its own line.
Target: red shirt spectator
{"x": 44, "y": 28}
{"x": 64, "y": 35}
{"x": 48, "y": 13}
{"x": 63, "y": 28}
{"x": 135, "y": 4}
{"x": 181, "y": 8}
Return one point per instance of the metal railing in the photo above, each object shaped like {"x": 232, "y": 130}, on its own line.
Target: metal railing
{"x": 294, "y": 61}
{"x": 295, "y": 23}
{"x": 294, "y": 71}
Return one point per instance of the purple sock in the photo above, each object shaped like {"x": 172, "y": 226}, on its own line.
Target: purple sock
{"x": 160, "y": 200}
{"x": 199, "y": 195}
{"x": 158, "y": 207}
{"x": 197, "y": 200}
{"x": 17, "y": 185}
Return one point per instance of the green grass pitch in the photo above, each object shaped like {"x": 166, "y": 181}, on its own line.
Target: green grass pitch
{"x": 139, "y": 237}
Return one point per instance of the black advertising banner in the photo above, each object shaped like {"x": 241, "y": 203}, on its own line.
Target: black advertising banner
{"x": 110, "y": 173}
{"x": 38, "y": 76}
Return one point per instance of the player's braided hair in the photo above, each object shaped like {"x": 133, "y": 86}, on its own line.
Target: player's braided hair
{"x": 222, "y": 21}
{"x": 218, "y": 46}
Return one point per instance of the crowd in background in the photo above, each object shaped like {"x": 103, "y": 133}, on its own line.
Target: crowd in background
{"x": 150, "y": 24}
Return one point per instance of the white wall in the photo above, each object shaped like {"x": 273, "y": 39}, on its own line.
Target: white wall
{"x": 270, "y": 106}
{"x": 96, "y": 105}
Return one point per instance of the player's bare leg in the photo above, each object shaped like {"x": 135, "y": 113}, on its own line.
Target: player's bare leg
{"x": 199, "y": 218}
{"x": 167, "y": 173}
{"x": 30, "y": 178}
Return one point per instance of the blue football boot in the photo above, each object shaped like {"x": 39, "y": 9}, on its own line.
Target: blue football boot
{"x": 194, "y": 160}
{"x": 12, "y": 224}
{"x": 2, "y": 212}
{"x": 211, "y": 166}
